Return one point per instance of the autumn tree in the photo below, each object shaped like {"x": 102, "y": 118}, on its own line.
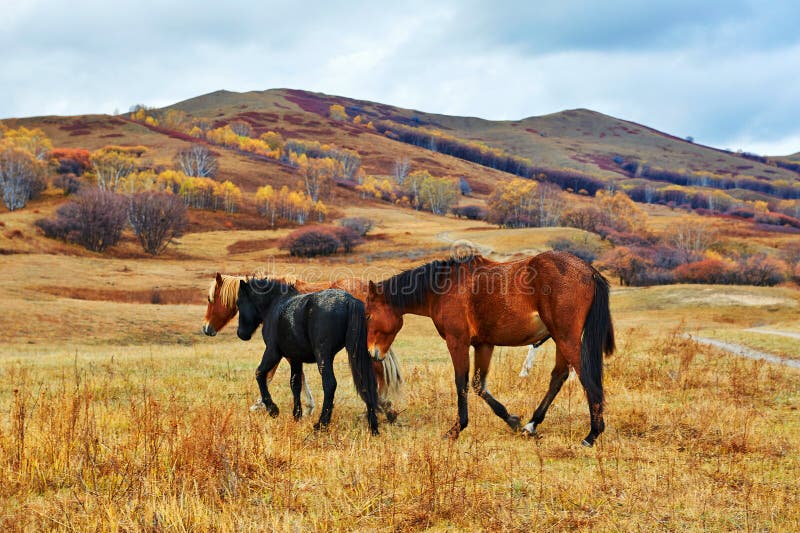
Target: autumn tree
{"x": 514, "y": 203}
{"x": 197, "y": 160}
{"x": 227, "y": 195}
{"x": 318, "y": 175}
{"x": 337, "y": 112}
{"x": 112, "y": 164}
{"x": 438, "y": 195}
{"x": 21, "y": 175}
{"x": 623, "y": 213}
{"x": 157, "y": 219}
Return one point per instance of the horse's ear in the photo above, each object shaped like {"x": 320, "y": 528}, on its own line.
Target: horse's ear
{"x": 219, "y": 279}
{"x": 373, "y": 290}
{"x": 242, "y": 285}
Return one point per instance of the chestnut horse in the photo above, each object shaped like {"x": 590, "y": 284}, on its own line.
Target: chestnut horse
{"x": 221, "y": 309}
{"x": 481, "y": 303}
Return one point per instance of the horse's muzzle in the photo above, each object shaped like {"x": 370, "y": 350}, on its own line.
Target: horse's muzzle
{"x": 209, "y": 330}
{"x": 376, "y": 355}
{"x": 243, "y": 336}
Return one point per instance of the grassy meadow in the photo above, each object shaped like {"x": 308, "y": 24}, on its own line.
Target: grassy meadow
{"x": 116, "y": 413}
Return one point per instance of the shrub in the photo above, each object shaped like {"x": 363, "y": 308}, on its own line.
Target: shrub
{"x": 761, "y": 269}
{"x": 68, "y": 183}
{"x": 586, "y": 250}
{"x": 705, "y": 271}
{"x": 95, "y": 220}
{"x": 157, "y": 218}
{"x": 311, "y": 242}
{"x": 586, "y": 218}
{"x": 360, "y": 225}
{"x": 470, "y": 212}
{"x": 348, "y": 237}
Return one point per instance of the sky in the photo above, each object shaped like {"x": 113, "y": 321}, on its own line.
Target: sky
{"x": 723, "y": 72}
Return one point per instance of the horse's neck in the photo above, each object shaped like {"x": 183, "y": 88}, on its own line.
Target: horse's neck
{"x": 270, "y": 301}
{"x": 423, "y": 309}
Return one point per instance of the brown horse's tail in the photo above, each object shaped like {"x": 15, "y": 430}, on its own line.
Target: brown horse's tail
{"x": 598, "y": 339}
{"x": 358, "y": 353}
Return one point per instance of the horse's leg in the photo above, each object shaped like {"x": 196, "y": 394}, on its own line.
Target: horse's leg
{"x": 325, "y": 365}
{"x": 384, "y": 403}
{"x": 259, "y": 404}
{"x": 296, "y": 383}
{"x": 598, "y": 425}
{"x": 307, "y": 396}
{"x": 269, "y": 360}
{"x": 483, "y": 357}
{"x": 558, "y": 376}
{"x": 459, "y": 353}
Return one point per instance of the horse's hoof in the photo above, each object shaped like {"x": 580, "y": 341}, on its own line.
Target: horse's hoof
{"x": 319, "y": 426}
{"x": 256, "y": 406}
{"x": 273, "y": 410}
{"x": 586, "y": 443}
{"x": 452, "y": 433}
{"x": 375, "y": 432}
{"x": 528, "y": 430}
{"x": 513, "y": 422}
{"x": 391, "y": 416}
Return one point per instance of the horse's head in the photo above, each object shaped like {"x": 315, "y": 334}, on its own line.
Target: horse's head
{"x": 249, "y": 315}
{"x": 384, "y": 323}
{"x": 221, "y": 305}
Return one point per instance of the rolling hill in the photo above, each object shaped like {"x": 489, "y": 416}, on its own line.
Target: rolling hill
{"x": 577, "y": 141}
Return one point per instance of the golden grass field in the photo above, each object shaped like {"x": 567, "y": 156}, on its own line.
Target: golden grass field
{"x": 118, "y": 414}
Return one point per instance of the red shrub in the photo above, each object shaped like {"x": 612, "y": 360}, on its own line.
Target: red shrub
{"x": 705, "y": 271}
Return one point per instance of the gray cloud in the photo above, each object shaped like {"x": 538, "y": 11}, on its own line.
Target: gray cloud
{"x": 720, "y": 71}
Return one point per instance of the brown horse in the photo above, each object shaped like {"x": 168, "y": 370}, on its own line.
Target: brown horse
{"x": 221, "y": 309}
{"x": 477, "y": 302}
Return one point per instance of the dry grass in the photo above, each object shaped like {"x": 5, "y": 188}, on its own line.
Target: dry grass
{"x": 160, "y": 437}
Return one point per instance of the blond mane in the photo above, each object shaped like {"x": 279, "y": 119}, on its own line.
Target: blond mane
{"x": 229, "y": 291}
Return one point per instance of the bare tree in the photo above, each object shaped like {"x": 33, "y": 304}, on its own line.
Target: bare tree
{"x": 351, "y": 162}
{"x": 157, "y": 218}
{"x": 549, "y": 204}
{"x": 691, "y": 239}
{"x": 197, "y": 160}
{"x": 240, "y": 128}
{"x": 402, "y": 166}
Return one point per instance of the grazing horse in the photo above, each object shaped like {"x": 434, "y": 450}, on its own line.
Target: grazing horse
{"x": 221, "y": 309}
{"x": 308, "y": 328}
{"x": 477, "y": 302}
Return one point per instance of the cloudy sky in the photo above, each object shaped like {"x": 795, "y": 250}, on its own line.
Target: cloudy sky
{"x": 725, "y": 72}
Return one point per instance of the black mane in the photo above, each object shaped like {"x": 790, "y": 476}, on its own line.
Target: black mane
{"x": 411, "y": 287}
{"x": 268, "y": 285}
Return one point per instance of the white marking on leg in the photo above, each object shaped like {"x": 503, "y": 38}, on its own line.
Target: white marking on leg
{"x": 528, "y": 364}
{"x": 258, "y": 404}
{"x": 530, "y": 427}
{"x": 307, "y": 397}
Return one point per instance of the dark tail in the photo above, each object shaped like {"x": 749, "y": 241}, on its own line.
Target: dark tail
{"x": 598, "y": 339}
{"x": 360, "y": 360}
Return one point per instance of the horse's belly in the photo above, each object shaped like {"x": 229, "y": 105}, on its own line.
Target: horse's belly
{"x": 518, "y": 331}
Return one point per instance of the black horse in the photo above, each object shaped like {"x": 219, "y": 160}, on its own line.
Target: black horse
{"x": 298, "y": 325}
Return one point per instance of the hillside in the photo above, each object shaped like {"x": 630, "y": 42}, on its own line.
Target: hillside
{"x": 577, "y": 141}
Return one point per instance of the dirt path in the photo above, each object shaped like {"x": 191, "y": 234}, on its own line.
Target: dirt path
{"x": 775, "y": 332}
{"x": 744, "y": 351}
